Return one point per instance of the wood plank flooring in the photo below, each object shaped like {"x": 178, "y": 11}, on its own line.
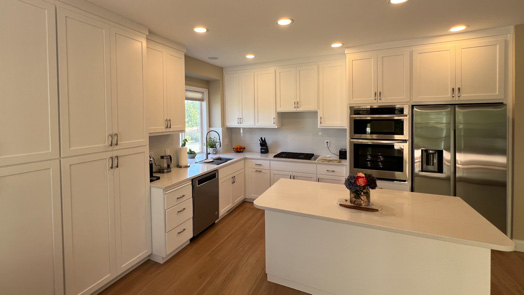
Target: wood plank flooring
{"x": 229, "y": 259}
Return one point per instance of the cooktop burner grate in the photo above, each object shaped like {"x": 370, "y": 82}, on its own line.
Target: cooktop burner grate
{"x": 296, "y": 156}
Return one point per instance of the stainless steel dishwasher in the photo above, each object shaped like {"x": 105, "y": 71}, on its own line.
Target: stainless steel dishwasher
{"x": 205, "y": 201}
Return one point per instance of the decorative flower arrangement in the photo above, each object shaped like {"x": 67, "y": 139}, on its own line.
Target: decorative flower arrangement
{"x": 359, "y": 186}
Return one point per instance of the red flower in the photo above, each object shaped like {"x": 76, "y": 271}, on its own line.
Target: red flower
{"x": 361, "y": 179}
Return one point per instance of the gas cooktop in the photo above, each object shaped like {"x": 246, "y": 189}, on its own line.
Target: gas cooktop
{"x": 296, "y": 156}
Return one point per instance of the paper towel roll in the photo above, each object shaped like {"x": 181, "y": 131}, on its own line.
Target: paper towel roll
{"x": 182, "y": 157}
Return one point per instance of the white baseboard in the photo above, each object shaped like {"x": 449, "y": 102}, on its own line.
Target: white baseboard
{"x": 519, "y": 245}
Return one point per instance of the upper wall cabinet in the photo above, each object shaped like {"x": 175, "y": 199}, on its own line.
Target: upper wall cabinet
{"x": 297, "y": 88}
{"x": 101, "y": 85}
{"x": 459, "y": 71}
{"x": 250, "y": 98}
{"x": 165, "y": 88}
{"x": 332, "y": 111}
{"x": 29, "y": 103}
{"x": 379, "y": 76}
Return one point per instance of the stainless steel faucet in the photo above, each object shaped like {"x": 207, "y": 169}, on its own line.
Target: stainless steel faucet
{"x": 219, "y": 143}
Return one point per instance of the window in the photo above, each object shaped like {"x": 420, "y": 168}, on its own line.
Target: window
{"x": 196, "y": 118}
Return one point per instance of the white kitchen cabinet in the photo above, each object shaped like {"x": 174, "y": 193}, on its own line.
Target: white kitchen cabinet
{"x": 332, "y": 111}
{"x": 379, "y": 76}
{"x": 172, "y": 220}
{"x": 240, "y": 99}
{"x": 31, "y": 229}
{"x": 331, "y": 173}
{"x": 29, "y": 104}
{"x": 265, "y": 104}
{"x": 258, "y": 178}
{"x": 105, "y": 195}
{"x": 459, "y": 71}
{"x": 231, "y": 187}
{"x": 297, "y": 88}
{"x": 165, "y": 88}
{"x": 101, "y": 85}
{"x": 292, "y": 170}
{"x": 276, "y": 175}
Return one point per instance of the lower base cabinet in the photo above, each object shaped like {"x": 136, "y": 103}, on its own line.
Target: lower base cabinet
{"x": 106, "y": 215}
{"x": 172, "y": 220}
{"x": 31, "y": 229}
{"x": 231, "y": 187}
{"x": 258, "y": 181}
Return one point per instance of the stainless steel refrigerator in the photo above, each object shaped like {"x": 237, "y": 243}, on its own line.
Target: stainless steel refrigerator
{"x": 460, "y": 150}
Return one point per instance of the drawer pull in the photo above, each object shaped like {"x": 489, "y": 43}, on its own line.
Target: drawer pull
{"x": 180, "y": 211}
{"x": 181, "y": 231}
{"x": 330, "y": 170}
{"x": 181, "y": 197}
{"x": 258, "y": 171}
{"x": 258, "y": 164}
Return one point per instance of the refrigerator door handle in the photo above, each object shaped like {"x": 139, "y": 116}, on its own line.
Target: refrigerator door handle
{"x": 378, "y": 141}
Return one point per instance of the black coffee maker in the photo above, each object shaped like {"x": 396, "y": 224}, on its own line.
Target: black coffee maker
{"x": 264, "y": 149}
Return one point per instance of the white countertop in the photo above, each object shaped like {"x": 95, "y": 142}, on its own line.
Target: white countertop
{"x": 180, "y": 175}
{"x": 432, "y": 216}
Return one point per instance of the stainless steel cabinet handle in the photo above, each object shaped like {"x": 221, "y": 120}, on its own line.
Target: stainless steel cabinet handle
{"x": 116, "y": 138}
{"x": 258, "y": 171}
{"x": 318, "y": 179}
{"x": 181, "y": 197}
{"x": 180, "y": 211}
{"x": 181, "y": 231}
{"x": 273, "y": 120}
{"x": 458, "y": 92}
{"x": 116, "y": 161}
{"x": 110, "y": 136}
{"x": 375, "y": 95}
{"x": 330, "y": 170}
{"x": 166, "y": 124}
{"x": 298, "y": 104}
{"x": 380, "y": 95}
{"x": 234, "y": 179}
{"x": 453, "y": 92}
{"x": 110, "y": 163}
{"x": 256, "y": 164}
{"x": 320, "y": 120}
{"x": 169, "y": 123}
{"x": 290, "y": 176}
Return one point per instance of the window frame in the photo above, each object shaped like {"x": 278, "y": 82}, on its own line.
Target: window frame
{"x": 204, "y": 116}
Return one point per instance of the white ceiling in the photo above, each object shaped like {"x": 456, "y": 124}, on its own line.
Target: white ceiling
{"x": 238, "y": 27}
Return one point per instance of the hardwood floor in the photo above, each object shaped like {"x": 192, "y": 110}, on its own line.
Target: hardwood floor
{"x": 229, "y": 259}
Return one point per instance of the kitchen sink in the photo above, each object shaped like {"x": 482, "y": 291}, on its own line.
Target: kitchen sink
{"x": 215, "y": 161}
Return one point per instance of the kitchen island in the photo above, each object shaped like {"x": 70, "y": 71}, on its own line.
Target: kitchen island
{"x": 416, "y": 244}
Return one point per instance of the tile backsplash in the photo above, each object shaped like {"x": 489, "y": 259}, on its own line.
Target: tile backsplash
{"x": 298, "y": 132}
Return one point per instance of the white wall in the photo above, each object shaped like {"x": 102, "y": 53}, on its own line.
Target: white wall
{"x": 298, "y": 132}
{"x": 158, "y": 145}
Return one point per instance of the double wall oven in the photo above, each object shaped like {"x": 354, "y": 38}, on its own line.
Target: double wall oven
{"x": 379, "y": 141}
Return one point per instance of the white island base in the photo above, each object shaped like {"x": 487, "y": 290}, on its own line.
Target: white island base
{"x": 417, "y": 244}
{"x": 325, "y": 257}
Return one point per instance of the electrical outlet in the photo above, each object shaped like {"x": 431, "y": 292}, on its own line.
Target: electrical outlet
{"x": 327, "y": 142}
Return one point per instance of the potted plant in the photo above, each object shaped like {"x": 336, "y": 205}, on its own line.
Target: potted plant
{"x": 212, "y": 145}
{"x": 359, "y": 186}
{"x": 191, "y": 154}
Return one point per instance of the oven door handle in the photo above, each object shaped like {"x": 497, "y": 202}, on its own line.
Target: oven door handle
{"x": 378, "y": 141}
{"x": 397, "y": 116}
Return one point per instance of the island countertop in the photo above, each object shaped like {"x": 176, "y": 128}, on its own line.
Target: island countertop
{"x": 431, "y": 216}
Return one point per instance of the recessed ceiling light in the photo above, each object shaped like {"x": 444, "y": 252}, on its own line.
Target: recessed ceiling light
{"x": 200, "y": 29}
{"x": 336, "y": 44}
{"x": 397, "y": 1}
{"x": 458, "y": 28}
{"x": 250, "y": 56}
{"x": 284, "y": 21}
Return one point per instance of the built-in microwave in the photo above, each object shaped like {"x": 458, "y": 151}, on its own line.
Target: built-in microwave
{"x": 385, "y": 159}
{"x": 379, "y": 122}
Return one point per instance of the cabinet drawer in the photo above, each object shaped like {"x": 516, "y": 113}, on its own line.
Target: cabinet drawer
{"x": 230, "y": 169}
{"x": 178, "y": 195}
{"x": 178, "y": 214}
{"x": 331, "y": 179}
{"x": 179, "y": 235}
{"x": 257, "y": 164}
{"x": 294, "y": 167}
{"x": 336, "y": 170}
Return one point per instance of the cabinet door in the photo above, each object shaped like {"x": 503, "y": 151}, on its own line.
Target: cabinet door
{"x": 31, "y": 229}
{"x": 362, "y": 77}
{"x": 307, "y": 88}
{"x": 88, "y": 206}
{"x": 175, "y": 90}
{"x": 394, "y": 76}
{"x": 480, "y": 70}
{"x": 276, "y": 175}
{"x": 434, "y": 73}
{"x": 84, "y": 79}
{"x": 331, "y": 179}
{"x": 132, "y": 218}
{"x": 232, "y": 100}
{"x": 155, "y": 90}
{"x": 304, "y": 176}
{"x": 286, "y": 83}
{"x": 225, "y": 195}
{"x": 258, "y": 181}
{"x": 29, "y": 103}
{"x": 265, "y": 108}
{"x": 333, "y": 105}
{"x": 247, "y": 94}
{"x": 238, "y": 189}
{"x": 129, "y": 117}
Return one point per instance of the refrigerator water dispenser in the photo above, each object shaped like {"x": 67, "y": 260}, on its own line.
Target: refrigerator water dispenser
{"x": 432, "y": 161}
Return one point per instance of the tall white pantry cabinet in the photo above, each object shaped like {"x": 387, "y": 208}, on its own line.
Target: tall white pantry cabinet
{"x": 70, "y": 220}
